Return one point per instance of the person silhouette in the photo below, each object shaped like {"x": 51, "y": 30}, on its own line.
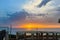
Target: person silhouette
{"x": 59, "y": 21}
{"x": 2, "y": 34}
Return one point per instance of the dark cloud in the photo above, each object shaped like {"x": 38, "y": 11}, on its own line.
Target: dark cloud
{"x": 18, "y": 16}
{"x": 43, "y": 3}
{"x": 15, "y": 17}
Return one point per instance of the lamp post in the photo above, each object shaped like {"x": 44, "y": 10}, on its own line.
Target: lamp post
{"x": 10, "y": 31}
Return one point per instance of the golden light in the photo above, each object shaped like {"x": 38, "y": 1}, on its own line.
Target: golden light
{"x": 31, "y": 26}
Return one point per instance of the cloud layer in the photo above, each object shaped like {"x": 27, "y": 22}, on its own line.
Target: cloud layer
{"x": 50, "y": 10}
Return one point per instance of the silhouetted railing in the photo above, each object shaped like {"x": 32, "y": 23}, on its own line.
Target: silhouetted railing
{"x": 38, "y": 35}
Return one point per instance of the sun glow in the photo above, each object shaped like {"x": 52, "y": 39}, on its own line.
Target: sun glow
{"x": 31, "y": 26}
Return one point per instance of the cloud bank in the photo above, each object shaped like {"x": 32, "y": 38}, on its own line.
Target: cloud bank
{"x": 51, "y": 9}
{"x": 48, "y": 12}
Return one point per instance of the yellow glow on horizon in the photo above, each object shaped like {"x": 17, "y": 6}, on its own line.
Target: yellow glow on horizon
{"x": 31, "y": 26}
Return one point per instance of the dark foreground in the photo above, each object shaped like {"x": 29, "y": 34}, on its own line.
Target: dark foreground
{"x": 30, "y": 35}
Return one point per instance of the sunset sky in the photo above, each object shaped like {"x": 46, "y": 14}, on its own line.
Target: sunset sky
{"x": 26, "y": 13}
